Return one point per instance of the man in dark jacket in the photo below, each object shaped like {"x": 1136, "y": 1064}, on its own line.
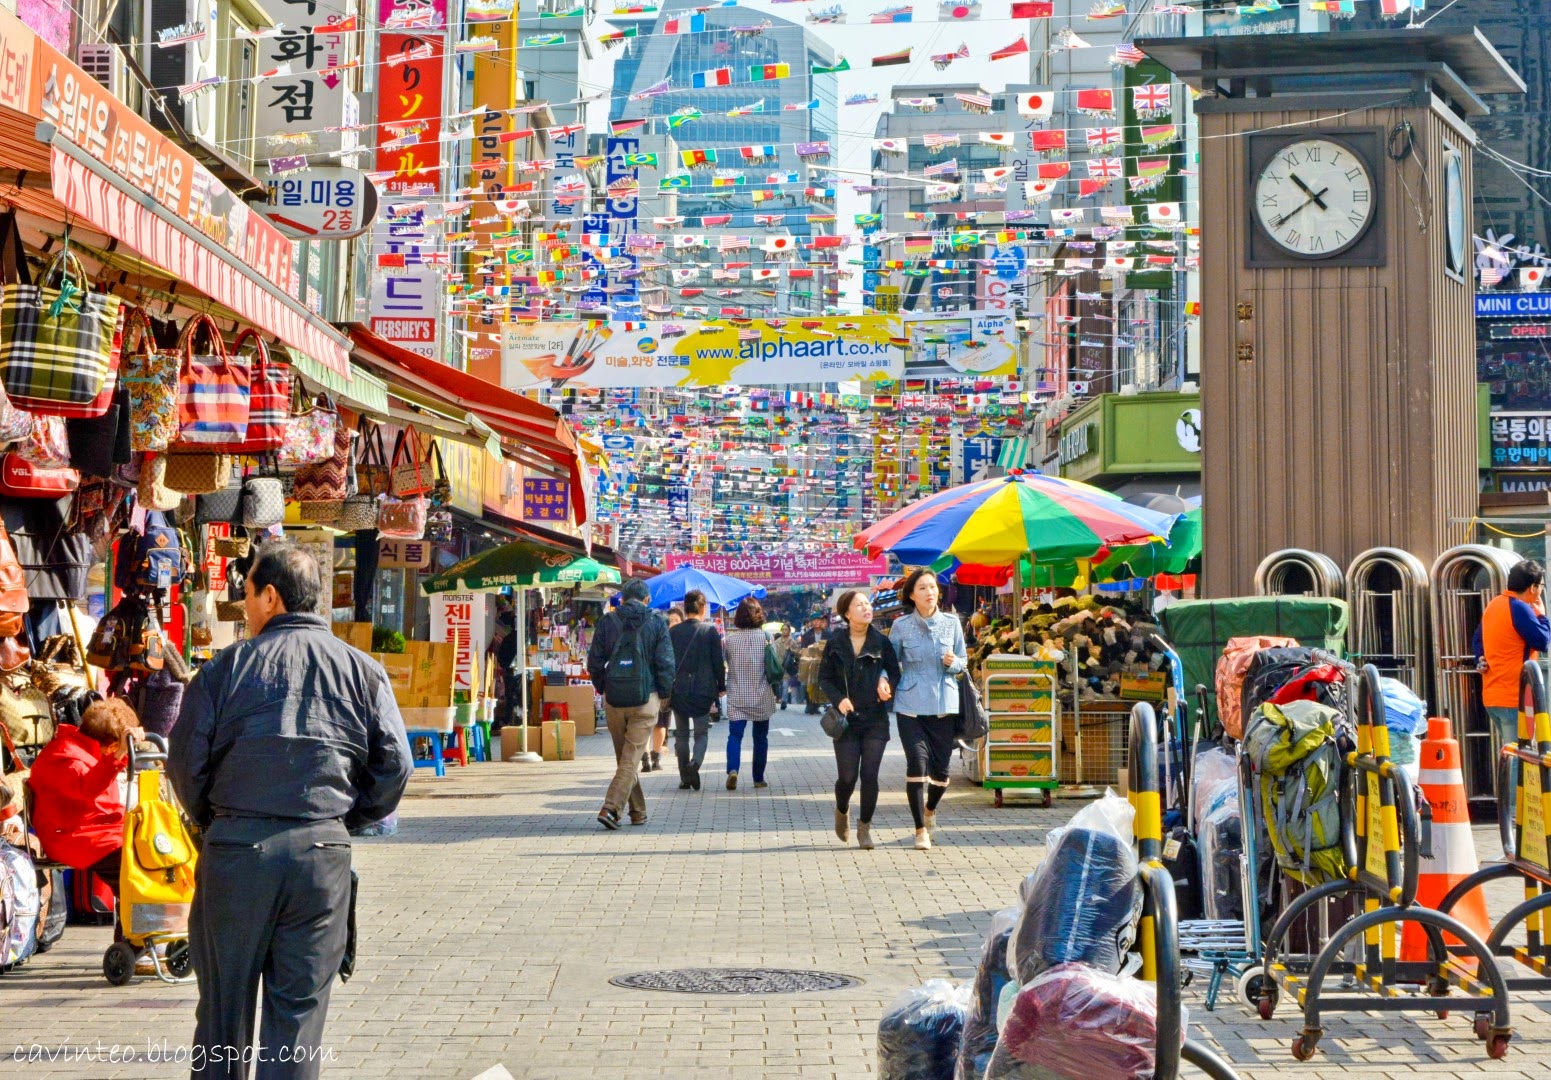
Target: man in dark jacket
{"x": 631, "y": 665}
{"x": 285, "y": 742}
{"x": 700, "y": 678}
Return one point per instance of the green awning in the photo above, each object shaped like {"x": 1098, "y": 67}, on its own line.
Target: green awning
{"x": 363, "y": 393}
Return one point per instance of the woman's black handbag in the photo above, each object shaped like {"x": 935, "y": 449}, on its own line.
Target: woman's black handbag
{"x": 972, "y": 723}
{"x": 834, "y": 721}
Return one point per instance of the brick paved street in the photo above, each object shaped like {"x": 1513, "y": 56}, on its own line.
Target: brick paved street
{"x": 492, "y": 923}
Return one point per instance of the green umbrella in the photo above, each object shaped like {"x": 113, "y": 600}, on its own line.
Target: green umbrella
{"x": 511, "y": 564}
{"x": 1149, "y": 560}
{"x": 579, "y": 571}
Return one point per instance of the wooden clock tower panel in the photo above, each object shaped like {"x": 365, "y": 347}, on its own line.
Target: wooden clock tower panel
{"x": 1338, "y": 382}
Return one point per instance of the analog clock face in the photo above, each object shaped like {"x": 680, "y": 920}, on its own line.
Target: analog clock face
{"x": 1314, "y": 198}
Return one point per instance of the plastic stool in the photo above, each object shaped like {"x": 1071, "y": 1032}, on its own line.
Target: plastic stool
{"x": 556, "y": 710}
{"x": 484, "y": 740}
{"x": 438, "y": 747}
{"x": 456, "y": 749}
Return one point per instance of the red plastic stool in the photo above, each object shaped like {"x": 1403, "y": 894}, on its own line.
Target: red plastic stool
{"x": 557, "y": 710}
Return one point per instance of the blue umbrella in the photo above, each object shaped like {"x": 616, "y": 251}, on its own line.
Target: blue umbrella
{"x": 720, "y": 590}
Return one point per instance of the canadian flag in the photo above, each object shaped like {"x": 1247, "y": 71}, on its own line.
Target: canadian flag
{"x": 1530, "y": 277}
{"x": 1037, "y": 105}
{"x": 1164, "y": 213}
{"x": 778, "y": 244}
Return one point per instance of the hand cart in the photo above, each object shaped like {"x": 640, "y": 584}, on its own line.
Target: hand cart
{"x": 1157, "y": 936}
{"x": 1019, "y": 750}
{"x": 1381, "y": 836}
{"x": 1525, "y": 828}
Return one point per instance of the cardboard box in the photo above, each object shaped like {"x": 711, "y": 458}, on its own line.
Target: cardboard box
{"x": 1150, "y": 687}
{"x": 559, "y": 741}
{"x": 511, "y": 740}
{"x": 1020, "y": 763}
{"x": 357, "y": 634}
{"x": 400, "y": 669}
{"x": 580, "y": 705}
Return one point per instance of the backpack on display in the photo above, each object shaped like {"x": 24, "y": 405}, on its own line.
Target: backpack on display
{"x": 20, "y": 938}
{"x": 627, "y": 680}
{"x": 1298, "y": 766}
{"x": 158, "y": 561}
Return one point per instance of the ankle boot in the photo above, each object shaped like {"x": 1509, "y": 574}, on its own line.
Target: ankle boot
{"x": 923, "y": 840}
{"x": 656, "y": 761}
{"x": 864, "y": 835}
{"x": 843, "y": 824}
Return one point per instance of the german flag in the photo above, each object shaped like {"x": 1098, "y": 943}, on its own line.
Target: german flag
{"x": 891, "y": 59}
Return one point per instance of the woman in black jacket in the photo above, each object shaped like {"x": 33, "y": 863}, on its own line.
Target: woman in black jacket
{"x": 858, "y": 674}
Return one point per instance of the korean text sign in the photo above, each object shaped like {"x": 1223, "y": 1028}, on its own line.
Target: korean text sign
{"x": 545, "y": 499}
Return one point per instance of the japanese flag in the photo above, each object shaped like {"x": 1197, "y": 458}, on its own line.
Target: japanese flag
{"x": 1530, "y": 277}
{"x": 779, "y": 244}
{"x": 1003, "y": 139}
{"x": 1035, "y": 105}
{"x": 1119, "y": 262}
{"x": 1164, "y": 213}
{"x": 766, "y": 274}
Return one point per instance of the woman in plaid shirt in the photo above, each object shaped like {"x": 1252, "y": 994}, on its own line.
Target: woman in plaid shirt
{"x": 749, "y": 696}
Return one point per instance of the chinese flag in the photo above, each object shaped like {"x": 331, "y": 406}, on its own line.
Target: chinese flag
{"x": 1040, "y": 9}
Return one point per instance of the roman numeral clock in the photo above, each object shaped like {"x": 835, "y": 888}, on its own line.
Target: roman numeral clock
{"x": 1337, "y": 334}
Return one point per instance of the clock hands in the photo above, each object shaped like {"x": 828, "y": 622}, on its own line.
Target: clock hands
{"x": 1313, "y": 196}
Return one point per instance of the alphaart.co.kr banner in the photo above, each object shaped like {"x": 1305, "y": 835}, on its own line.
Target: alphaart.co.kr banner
{"x": 763, "y": 352}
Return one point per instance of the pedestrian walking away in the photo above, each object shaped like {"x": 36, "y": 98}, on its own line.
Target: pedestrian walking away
{"x": 816, "y": 633}
{"x": 930, "y": 645}
{"x": 630, "y": 662}
{"x": 651, "y": 761}
{"x": 700, "y": 677}
{"x": 1513, "y": 629}
{"x": 858, "y": 675}
{"x": 750, "y": 690}
{"x": 285, "y": 742}
{"x": 785, "y": 645}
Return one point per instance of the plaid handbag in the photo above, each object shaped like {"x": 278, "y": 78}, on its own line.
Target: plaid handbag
{"x": 58, "y": 342}
{"x": 411, "y": 472}
{"x": 213, "y": 389}
{"x": 269, "y": 400}
{"x": 151, "y": 376}
{"x": 326, "y": 481}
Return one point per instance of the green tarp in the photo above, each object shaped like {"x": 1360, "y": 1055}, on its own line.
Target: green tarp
{"x": 1198, "y": 630}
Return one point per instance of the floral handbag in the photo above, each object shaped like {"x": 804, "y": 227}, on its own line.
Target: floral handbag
{"x": 151, "y": 376}
{"x": 48, "y": 444}
{"x": 15, "y": 424}
{"x": 309, "y": 436}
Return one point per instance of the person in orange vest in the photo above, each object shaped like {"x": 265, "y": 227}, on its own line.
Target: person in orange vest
{"x": 1513, "y": 629}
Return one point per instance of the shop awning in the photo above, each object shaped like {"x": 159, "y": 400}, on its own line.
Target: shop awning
{"x": 561, "y": 542}
{"x": 74, "y": 152}
{"x": 362, "y": 392}
{"x": 531, "y": 428}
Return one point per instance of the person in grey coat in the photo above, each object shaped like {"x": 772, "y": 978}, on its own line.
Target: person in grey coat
{"x": 285, "y": 743}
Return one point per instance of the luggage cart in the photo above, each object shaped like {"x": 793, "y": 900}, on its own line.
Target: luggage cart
{"x": 1019, "y": 750}
{"x": 1157, "y": 936}
{"x": 1382, "y": 839}
{"x": 1525, "y": 826}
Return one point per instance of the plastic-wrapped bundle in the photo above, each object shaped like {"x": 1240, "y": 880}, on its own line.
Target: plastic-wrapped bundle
{"x": 990, "y": 977}
{"x": 1405, "y": 715}
{"x": 1075, "y": 1023}
{"x": 1221, "y": 844}
{"x": 919, "y": 1035}
{"x": 1084, "y": 905}
{"x": 1214, "y": 781}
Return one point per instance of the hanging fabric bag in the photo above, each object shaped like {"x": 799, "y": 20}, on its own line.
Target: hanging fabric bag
{"x": 372, "y": 473}
{"x": 152, "y": 491}
{"x": 309, "y": 435}
{"x": 213, "y": 388}
{"x": 269, "y": 399}
{"x": 412, "y": 472}
{"x": 21, "y": 479}
{"x": 263, "y": 501}
{"x": 151, "y": 376}
{"x": 403, "y": 519}
{"x": 328, "y": 480}
{"x": 48, "y": 444}
{"x": 197, "y": 473}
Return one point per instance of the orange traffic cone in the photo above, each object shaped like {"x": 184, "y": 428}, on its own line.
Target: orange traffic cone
{"x": 1454, "y": 849}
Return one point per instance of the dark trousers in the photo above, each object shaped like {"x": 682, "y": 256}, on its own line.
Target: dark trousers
{"x": 928, "y": 757}
{"x": 271, "y": 902}
{"x": 690, "y": 758}
{"x": 858, "y": 757}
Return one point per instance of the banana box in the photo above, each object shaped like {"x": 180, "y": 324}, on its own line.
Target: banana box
{"x": 1021, "y": 764}
{"x": 1018, "y": 731}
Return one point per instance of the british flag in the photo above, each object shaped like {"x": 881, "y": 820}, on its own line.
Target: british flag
{"x": 1151, "y": 99}
{"x": 1104, "y": 136}
{"x": 1107, "y": 168}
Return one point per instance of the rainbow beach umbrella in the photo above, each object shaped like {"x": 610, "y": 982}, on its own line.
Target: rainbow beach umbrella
{"x": 1013, "y": 518}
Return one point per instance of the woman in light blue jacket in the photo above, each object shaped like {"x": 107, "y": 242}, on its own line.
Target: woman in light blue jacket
{"x": 931, "y": 649}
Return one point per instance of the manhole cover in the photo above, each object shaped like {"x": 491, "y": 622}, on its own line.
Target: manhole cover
{"x": 735, "y": 981}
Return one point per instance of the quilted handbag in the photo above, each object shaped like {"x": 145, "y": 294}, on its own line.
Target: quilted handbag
{"x": 21, "y": 479}
{"x": 151, "y": 376}
{"x": 15, "y": 424}
{"x": 403, "y": 519}
{"x": 152, "y": 491}
{"x": 412, "y": 473}
{"x": 371, "y": 470}
{"x": 197, "y": 473}
{"x": 309, "y": 436}
{"x": 213, "y": 389}
{"x": 269, "y": 400}
{"x": 263, "y": 502}
{"x": 48, "y": 444}
{"x": 223, "y": 505}
{"x": 58, "y": 340}
{"x": 357, "y": 512}
{"x": 327, "y": 480}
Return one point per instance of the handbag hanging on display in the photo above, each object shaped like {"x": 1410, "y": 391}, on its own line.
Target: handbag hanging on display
{"x": 15, "y": 424}
{"x": 54, "y": 557}
{"x": 269, "y": 399}
{"x": 59, "y": 341}
{"x": 357, "y": 512}
{"x": 13, "y": 588}
{"x": 197, "y": 473}
{"x": 403, "y": 519}
{"x": 411, "y": 469}
{"x": 152, "y": 491}
{"x": 21, "y": 479}
{"x": 372, "y": 472}
{"x": 327, "y": 480}
{"x": 263, "y": 501}
{"x": 47, "y": 445}
{"x": 213, "y": 388}
{"x": 150, "y": 374}
{"x": 223, "y": 505}
{"x": 100, "y": 444}
{"x": 309, "y": 435}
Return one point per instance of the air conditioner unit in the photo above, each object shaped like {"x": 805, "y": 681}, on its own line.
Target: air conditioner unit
{"x": 105, "y": 63}
{"x": 170, "y": 67}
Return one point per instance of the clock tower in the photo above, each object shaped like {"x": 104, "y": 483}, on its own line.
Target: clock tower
{"x": 1338, "y": 376}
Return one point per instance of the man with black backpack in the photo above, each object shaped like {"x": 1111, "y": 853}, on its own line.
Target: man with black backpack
{"x": 631, "y": 665}
{"x": 699, "y": 679}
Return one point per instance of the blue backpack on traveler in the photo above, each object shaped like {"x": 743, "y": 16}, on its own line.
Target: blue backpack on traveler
{"x": 627, "y": 679}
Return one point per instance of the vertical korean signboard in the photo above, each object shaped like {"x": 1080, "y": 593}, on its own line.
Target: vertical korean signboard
{"x": 297, "y": 109}
{"x": 495, "y": 88}
{"x": 459, "y": 618}
{"x": 617, "y": 221}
